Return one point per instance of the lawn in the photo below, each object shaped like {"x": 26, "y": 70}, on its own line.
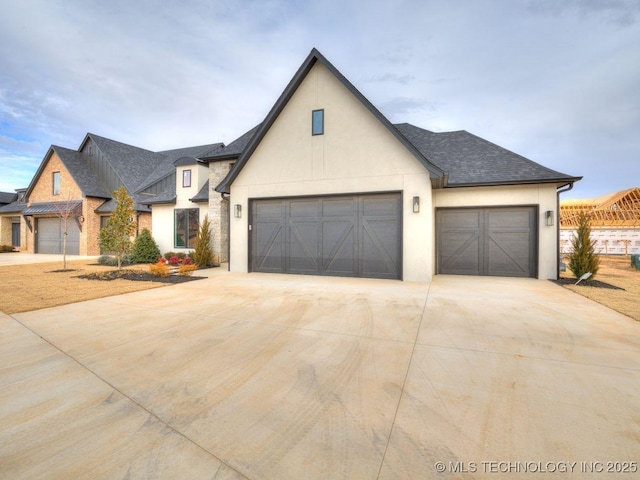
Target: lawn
{"x": 617, "y": 272}
{"x": 41, "y": 285}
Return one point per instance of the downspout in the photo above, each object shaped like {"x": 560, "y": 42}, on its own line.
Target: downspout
{"x": 569, "y": 187}
{"x": 225, "y": 196}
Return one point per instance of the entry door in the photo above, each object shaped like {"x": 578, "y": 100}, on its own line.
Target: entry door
{"x": 15, "y": 234}
{"x": 487, "y": 241}
{"x": 352, "y": 236}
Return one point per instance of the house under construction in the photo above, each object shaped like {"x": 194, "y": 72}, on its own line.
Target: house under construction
{"x": 614, "y": 219}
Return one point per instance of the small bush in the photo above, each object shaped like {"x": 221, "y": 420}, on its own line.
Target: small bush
{"x": 175, "y": 260}
{"x": 583, "y": 258}
{"x": 6, "y": 248}
{"x": 159, "y": 269}
{"x": 168, "y": 255}
{"x": 145, "y": 248}
{"x": 203, "y": 254}
{"x": 186, "y": 269}
{"x": 186, "y": 261}
{"x": 108, "y": 261}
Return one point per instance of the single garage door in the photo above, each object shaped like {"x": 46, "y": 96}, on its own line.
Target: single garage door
{"x": 350, "y": 236}
{"x": 487, "y": 241}
{"x": 49, "y": 235}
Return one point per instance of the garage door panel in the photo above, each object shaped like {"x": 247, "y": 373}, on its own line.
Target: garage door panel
{"x": 355, "y": 235}
{"x": 460, "y": 253}
{"x": 50, "y": 236}
{"x": 487, "y": 241}
{"x": 380, "y": 249}
{"x": 304, "y": 246}
{"x": 268, "y": 246}
{"x": 339, "y": 248}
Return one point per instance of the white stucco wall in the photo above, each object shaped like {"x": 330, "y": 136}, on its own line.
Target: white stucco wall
{"x": 544, "y": 196}
{"x": 356, "y": 154}
{"x": 162, "y": 218}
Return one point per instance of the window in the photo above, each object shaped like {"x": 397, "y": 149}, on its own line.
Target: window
{"x": 317, "y": 122}
{"x": 186, "y": 178}
{"x": 186, "y": 227}
{"x": 56, "y": 183}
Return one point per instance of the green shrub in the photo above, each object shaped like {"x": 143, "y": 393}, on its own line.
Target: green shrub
{"x": 583, "y": 258}
{"x": 145, "y": 248}
{"x": 168, "y": 255}
{"x": 6, "y": 248}
{"x": 108, "y": 261}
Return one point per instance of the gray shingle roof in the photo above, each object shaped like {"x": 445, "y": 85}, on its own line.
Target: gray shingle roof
{"x": 233, "y": 150}
{"x": 203, "y": 194}
{"x": 84, "y": 176}
{"x": 131, "y": 164}
{"x": 471, "y": 160}
{"x": 166, "y": 167}
{"x": 13, "y": 207}
{"x": 7, "y": 197}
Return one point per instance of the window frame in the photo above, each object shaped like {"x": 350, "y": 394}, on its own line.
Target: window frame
{"x": 317, "y": 129}
{"x": 186, "y": 178}
{"x": 56, "y": 183}
{"x": 191, "y": 222}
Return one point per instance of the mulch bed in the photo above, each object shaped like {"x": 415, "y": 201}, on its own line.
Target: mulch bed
{"x": 137, "y": 276}
{"x": 586, "y": 283}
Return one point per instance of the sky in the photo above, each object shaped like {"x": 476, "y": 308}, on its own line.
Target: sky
{"x": 555, "y": 81}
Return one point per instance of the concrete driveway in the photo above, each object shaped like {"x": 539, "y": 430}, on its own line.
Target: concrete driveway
{"x": 271, "y": 377}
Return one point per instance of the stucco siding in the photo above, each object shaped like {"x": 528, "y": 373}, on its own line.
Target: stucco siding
{"x": 356, "y": 154}
{"x": 542, "y": 196}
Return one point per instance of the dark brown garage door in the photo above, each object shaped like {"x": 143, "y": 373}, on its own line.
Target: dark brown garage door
{"x": 350, "y": 236}
{"x": 49, "y": 236}
{"x": 487, "y": 241}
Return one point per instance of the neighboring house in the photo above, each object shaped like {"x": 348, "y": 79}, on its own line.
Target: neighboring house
{"x": 326, "y": 185}
{"x": 614, "y": 221}
{"x": 11, "y": 228}
{"x": 81, "y": 182}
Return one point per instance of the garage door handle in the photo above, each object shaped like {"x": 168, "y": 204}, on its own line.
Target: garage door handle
{"x": 249, "y": 227}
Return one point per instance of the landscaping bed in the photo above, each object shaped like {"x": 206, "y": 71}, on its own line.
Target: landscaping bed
{"x": 137, "y": 276}
{"x": 616, "y": 285}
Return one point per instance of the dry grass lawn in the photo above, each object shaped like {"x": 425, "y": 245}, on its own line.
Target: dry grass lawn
{"x": 617, "y": 271}
{"x": 39, "y": 285}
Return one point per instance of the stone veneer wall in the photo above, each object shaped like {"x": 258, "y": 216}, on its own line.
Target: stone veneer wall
{"x": 219, "y": 210}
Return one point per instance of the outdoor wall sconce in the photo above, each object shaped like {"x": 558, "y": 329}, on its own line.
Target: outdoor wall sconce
{"x": 416, "y": 204}
{"x": 80, "y": 219}
{"x": 237, "y": 210}
{"x": 548, "y": 218}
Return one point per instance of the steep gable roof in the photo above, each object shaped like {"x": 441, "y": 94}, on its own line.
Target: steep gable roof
{"x": 80, "y": 171}
{"x": 131, "y": 164}
{"x": 471, "y": 160}
{"x": 314, "y": 57}
{"x": 231, "y": 151}
{"x": 167, "y": 166}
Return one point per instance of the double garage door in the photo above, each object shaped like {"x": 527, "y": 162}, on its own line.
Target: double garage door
{"x": 50, "y": 235}
{"x": 487, "y": 241}
{"x": 351, "y": 235}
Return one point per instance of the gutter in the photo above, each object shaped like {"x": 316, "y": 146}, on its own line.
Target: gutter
{"x": 560, "y": 190}
{"x": 225, "y": 196}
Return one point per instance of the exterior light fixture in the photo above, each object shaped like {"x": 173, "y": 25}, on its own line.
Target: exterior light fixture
{"x": 416, "y": 204}
{"x": 237, "y": 210}
{"x": 548, "y": 218}
{"x": 81, "y": 219}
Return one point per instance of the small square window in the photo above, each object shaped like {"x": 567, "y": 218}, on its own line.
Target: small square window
{"x": 317, "y": 122}
{"x": 56, "y": 183}
{"x": 186, "y": 178}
